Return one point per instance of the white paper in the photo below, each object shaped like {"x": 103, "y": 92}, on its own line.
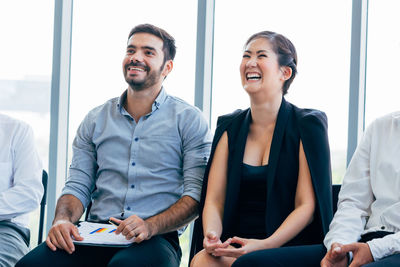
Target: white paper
{"x": 100, "y": 234}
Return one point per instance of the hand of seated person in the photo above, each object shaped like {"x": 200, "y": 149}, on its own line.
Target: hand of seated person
{"x": 240, "y": 246}
{"x": 361, "y": 253}
{"x": 212, "y": 241}
{"x": 337, "y": 255}
{"x": 60, "y": 236}
{"x": 134, "y": 227}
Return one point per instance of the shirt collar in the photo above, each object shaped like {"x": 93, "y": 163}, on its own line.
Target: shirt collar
{"x": 121, "y": 102}
{"x": 160, "y": 99}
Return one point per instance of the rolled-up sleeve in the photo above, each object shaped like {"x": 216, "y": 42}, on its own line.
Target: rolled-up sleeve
{"x": 82, "y": 172}
{"x": 196, "y": 141}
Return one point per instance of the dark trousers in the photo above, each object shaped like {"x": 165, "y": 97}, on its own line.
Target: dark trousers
{"x": 299, "y": 256}
{"x": 306, "y": 256}
{"x": 160, "y": 250}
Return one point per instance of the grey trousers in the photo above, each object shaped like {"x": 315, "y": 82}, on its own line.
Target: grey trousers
{"x": 13, "y": 243}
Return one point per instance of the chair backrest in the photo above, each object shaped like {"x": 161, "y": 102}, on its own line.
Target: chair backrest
{"x": 42, "y": 206}
{"x": 88, "y": 211}
{"x": 335, "y": 195}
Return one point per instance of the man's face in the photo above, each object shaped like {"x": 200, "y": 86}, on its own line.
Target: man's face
{"x": 143, "y": 65}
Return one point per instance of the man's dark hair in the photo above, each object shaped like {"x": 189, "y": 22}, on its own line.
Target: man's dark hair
{"x": 169, "y": 47}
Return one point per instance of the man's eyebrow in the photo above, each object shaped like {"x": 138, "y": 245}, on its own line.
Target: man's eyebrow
{"x": 149, "y": 48}
{"x": 143, "y": 47}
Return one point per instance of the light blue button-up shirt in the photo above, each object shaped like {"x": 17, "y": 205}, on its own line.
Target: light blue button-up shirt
{"x": 142, "y": 168}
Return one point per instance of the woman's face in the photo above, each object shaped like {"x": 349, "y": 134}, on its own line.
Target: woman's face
{"x": 260, "y": 69}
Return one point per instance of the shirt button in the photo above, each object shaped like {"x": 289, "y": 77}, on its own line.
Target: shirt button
{"x": 128, "y": 208}
{"x": 136, "y": 139}
{"x": 132, "y": 186}
{"x": 133, "y": 163}
{"x": 205, "y": 158}
{"x": 122, "y": 214}
{"x": 383, "y": 227}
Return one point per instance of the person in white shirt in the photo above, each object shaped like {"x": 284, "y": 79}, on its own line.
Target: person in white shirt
{"x": 365, "y": 230}
{"x": 367, "y": 222}
{"x": 20, "y": 187}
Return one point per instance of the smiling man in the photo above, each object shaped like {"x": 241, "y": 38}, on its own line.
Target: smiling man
{"x": 139, "y": 159}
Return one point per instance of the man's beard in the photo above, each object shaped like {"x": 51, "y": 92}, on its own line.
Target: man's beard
{"x": 149, "y": 81}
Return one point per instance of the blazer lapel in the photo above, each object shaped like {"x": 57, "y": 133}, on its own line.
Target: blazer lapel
{"x": 237, "y": 144}
{"x": 276, "y": 143}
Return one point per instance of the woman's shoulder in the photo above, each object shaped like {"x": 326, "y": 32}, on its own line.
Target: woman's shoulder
{"x": 225, "y": 120}
{"x": 310, "y": 117}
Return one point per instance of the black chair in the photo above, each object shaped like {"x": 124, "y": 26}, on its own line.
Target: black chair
{"x": 335, "y": 194}
{"x": 42, "y": 206}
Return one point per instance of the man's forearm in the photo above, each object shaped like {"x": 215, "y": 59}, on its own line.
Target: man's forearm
{"x": 175, "y": 217}
{"x": 68, "y": 208}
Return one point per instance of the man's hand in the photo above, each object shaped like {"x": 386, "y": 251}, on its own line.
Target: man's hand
{"x": 60, "y": 236}
{"x": 335, "y": 257}
{"x": 361, "y": 253}
{"x": 134, "y": 227}
{"x": 211, "y": 242}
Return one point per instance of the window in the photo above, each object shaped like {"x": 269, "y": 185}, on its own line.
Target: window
{"x": 25, "y": 71}
{"x": 383, "y": 55}
{"x": 320, "y": 32}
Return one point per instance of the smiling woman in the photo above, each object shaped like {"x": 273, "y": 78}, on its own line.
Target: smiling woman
{"x": 273, "y": 152}
{"x": 275, "y": 59}
{"x": 318, "y": 31}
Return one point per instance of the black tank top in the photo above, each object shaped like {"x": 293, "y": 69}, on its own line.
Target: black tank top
{"x": 250, "y": 216}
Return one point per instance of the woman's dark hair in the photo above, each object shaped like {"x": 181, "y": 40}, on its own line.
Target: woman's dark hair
{"x": 285, "y": 50}
{"x": 169, "y": 47}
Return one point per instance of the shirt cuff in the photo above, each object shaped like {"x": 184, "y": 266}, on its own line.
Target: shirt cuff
{"x": 380, "y": 248}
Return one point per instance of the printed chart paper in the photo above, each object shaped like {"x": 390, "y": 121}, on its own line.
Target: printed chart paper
{"x": 100, "y": 234}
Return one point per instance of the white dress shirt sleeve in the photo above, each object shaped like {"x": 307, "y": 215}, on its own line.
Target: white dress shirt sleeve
{"x": 369, "y": 197}
{"x": 355, "y": 198}
{"x": 386, "y": 246}
{"x": 25, "y": 176}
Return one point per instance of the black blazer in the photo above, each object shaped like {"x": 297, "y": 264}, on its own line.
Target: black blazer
{"x": 292, "y": 125}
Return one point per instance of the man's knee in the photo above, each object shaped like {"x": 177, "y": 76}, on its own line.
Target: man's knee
{"x": 34, "y": 258}
{"x": 43, "y": 256}
{"x": 154, "y": 252}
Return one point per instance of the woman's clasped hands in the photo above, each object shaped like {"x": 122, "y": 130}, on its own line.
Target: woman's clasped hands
{"x": 232, "y": 247}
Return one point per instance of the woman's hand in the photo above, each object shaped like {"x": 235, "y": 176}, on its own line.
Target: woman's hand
{"x": 246, "y": 246}
{"x": 211, "y": 242}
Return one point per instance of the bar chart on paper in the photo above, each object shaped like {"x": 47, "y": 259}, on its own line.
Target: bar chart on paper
{"x": 100, "y": 234}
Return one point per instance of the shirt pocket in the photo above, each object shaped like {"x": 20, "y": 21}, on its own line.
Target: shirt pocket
{"x": 6, "y": 173}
